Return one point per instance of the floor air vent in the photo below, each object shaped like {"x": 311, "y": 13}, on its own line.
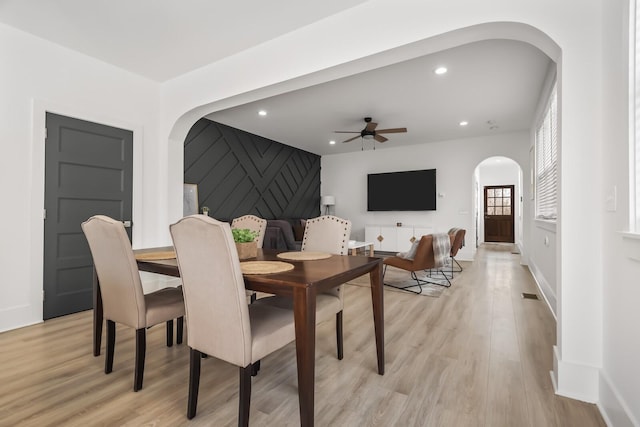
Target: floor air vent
{"x": 526, "y": 295}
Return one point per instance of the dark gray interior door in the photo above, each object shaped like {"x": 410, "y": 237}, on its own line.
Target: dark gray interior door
{"x": 88, "y": 171}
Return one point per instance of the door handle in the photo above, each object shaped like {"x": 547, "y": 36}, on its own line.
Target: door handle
{"x": 127, "y": 224}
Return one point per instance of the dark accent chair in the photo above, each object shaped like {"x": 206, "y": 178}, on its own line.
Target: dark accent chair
{"x": 280, "y": 235}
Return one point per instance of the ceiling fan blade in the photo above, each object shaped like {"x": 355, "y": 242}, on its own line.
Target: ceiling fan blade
{"x": 393, "y": 130}
{"x": 346, "y": 131}
{"x": 351, "y": 139}
{"x": 370, "y": 126}
{"x": 380, "y": 138}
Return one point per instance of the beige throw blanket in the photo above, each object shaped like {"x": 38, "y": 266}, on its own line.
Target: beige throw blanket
{"x": 441, "y": 249}
{"x": 454, "y": 231}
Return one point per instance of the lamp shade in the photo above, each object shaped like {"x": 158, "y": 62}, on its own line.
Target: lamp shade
{"x": 327, "y": 200}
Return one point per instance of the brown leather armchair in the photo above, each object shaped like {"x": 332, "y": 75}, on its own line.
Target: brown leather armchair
{"x": 457, "y": 242}
{"x": 423, "y": 259}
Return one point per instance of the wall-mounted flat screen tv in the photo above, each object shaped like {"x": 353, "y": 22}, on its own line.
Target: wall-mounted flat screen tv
{"x": 402, "y": 191}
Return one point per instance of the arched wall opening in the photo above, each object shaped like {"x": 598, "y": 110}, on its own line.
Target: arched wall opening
{"x": 493, "y": 172}
{"x": 183, "y": 123}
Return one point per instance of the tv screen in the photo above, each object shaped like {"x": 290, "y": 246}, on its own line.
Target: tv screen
{"x": 402, "y": 191}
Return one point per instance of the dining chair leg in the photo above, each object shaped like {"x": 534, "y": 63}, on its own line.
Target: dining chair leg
{"x": 245, "y": 396}
{"x": 339, "y": 339}
{"x": 194, "y": 382}
{"x": 111, "y": 343}
{"x": 179, "y": 330}
{"x": 141, "y": 348}
{"x": 255, "y": 369}
{"x": 169, "y": 333}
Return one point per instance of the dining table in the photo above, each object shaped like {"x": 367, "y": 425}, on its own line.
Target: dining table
{"x": 301, "y": 284}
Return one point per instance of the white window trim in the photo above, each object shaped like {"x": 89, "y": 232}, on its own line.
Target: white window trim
{"x": 552, "y": 116}
{"x": 634, "y": 123}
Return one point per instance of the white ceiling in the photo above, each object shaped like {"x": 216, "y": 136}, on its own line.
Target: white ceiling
{"x": 162, "y": 39}
{"x": 497, "y": 80}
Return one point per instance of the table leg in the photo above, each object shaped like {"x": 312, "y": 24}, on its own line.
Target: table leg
{"x": 375, "y": 277}
{"x": 371, "y": 251}
{"x": 304, "y": 311}
{"x": 354, "y": 251}
{"x": 97, "y": 315}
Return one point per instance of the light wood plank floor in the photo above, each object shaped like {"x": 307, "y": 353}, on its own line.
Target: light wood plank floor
{"x": 479, "y": 355}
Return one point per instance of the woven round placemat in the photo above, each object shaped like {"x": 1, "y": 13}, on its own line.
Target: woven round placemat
{"x": 304, "y": 255}
{"x": 264, "y": 267}
{"x": 155, "y": 256}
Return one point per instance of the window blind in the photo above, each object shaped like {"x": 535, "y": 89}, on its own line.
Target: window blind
{"x": 547, "y": 161}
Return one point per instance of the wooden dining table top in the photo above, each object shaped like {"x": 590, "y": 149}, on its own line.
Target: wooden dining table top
{"x": 322, "y": 274}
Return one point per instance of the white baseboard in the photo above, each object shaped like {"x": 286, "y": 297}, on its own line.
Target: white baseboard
{"x": 576, "y": 381}
{"x": 19, "y": 316}
{"x": 547, "y": 292}
{"x": 615, "y": 411}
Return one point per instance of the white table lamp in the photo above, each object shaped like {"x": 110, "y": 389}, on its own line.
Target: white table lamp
{"x": 327, "y": 202}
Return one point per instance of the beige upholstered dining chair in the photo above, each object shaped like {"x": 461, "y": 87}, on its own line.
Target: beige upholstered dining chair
{"x": 219, "y": 321}
{"x": 331, "y": 234}
{"x": 252, "y": 223}
{"x": 121, "y": 288}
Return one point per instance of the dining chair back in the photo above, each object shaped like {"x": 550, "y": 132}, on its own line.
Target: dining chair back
{"x": 252, "y": 223}
{"x": 122, "y": 294}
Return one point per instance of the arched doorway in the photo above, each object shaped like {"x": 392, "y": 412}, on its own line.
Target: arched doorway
{"x": 498, "y": 201}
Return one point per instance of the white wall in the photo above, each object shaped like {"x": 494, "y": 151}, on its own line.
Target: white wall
{"x": 543, "y": 244}
{"x": 37, "y": 76}
{"x": 620, "y": 375}
{"x": 345, "y": 177}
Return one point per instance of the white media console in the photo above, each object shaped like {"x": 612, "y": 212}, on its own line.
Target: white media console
{"x": 393, "y": 238}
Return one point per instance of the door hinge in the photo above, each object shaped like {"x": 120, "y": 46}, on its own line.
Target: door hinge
{"x": 43, "y": 295}
{"x": 46, "y": 133}
{"x": 44, "y": 214}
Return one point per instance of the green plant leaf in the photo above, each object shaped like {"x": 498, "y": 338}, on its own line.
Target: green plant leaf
{"x": 243, "y": 235}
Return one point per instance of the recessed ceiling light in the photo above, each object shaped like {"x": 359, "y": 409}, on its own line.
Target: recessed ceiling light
{"x": 464, "y": 123}
{"x": 440, "y": 70}
{"x": 262, "y": 113}
{"x": 332, "y": 142}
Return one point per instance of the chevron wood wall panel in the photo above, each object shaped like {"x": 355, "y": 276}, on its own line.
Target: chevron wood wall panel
{"x": 239, "y": 173}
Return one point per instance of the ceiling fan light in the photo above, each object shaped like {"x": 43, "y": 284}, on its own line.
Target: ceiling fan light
{"x": 367, "y": 137}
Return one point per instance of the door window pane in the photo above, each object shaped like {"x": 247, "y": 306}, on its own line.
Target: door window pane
{"x": 498, "y": 211}
{"x": 491, "y": 211}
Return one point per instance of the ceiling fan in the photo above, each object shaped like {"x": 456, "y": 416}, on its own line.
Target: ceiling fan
{"x": 370, "y": 132}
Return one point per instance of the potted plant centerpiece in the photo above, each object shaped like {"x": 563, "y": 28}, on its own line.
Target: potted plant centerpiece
{"x": 245, "y": 242}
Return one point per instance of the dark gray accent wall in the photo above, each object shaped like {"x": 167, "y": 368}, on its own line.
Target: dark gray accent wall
{"x": 239, "y": 173}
